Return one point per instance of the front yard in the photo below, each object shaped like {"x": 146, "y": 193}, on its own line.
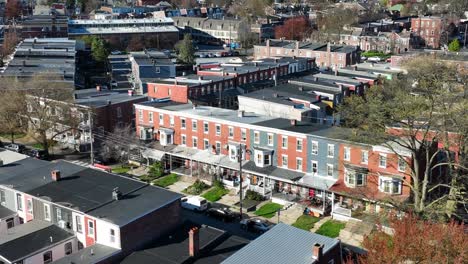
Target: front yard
{"x": 121, "y": 169}
{"x": 268, "y": 210}
{"x": 215, "y": 193}
{"x": 197, "y": 188}
{"x": 331, "y": 228}
{"x": 306, "y": 222}
{"x": 166, "y": 180}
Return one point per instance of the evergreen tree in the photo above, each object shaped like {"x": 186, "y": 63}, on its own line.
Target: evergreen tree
{"x": 99, "y": 50}
{"x": 186, "y": 51}
{"x": 454, "y": 45}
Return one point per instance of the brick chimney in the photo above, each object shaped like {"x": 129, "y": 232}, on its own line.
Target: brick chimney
{"x": 55, "y": 175}
{"x": 293, "y": 122}
{"x": 194, "y": 241}
{"x": 317, "y": 251}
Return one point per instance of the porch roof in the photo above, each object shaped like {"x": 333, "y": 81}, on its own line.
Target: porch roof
{"x": 318, "y": 182}
{"x": 207, "y": 156}
{"x": 273, "y": 172}
{"x": 153, "y": 154}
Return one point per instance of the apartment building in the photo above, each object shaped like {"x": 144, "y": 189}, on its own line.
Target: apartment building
{"x": 74, "y": 214}
{"x": 326, "y": 55}
{"x": 428, "y": 30}
{"x": 285, "y": 160}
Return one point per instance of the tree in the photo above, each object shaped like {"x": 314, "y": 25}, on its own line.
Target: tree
{"x": 296, "y": 28}
{"x": 44, "y": 107}
{"x": 116, "y": 145}
{"x": 424, "y": 113}
{"x": 136, "y": 43}
{"x": 184, "y": 3}
{"x": 245, "y": 35}
{"x": 417, "y": 241}
{"x": 13, "y": 9}
{"x": 249, "y": 9}
{"x": 186, "y": 50}
{"x": 454, "y": 45}
{"x": 11, "y": 122}
{"x": 332, "y": 21}
{"x": 11, "y": 39}
{"x": 99, "y": 49}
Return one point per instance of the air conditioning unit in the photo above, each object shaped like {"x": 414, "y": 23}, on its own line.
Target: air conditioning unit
{"x": 62, "y": 224}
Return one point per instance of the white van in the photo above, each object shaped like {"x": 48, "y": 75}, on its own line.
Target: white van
{"x": 195, "y": 203}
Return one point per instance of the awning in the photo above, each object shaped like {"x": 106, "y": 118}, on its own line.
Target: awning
{"x": 318, "y": 182}
{"x": 356, "y": 168}
{"x": 152, "y": 154}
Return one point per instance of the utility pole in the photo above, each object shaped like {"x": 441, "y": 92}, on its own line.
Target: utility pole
{"x": 239, "y": 157}
{"x": 90, "y": 118}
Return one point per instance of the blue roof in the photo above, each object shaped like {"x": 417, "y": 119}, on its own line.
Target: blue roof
{"x": 282, "y": 244}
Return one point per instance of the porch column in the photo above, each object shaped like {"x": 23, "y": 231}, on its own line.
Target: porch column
{"x": 191, "y": 168}
{"x": 324, "y": 199}
{"x": 333, "y": 202}
{"x": 170, "y": 162}
{"x": 264, "y": 184}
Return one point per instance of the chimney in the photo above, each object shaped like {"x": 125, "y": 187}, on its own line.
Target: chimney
{"x": 109, "y": 102}
{"x": 194, "y": 106}
{"x": 336, "y": 70}
{"x": 55, "y": 175}
{"x": 315, "y": 79}
{"x": 116, "y": 194}
{"x": 301, "y": 88}
{"x": 200, "y": 78}
{"x": 240, "y": 113}
{"x": 355, "y": 67}
{"x": 317, "y": 251}
{"x": 194, "y": 242}
{"x": 293, "y": 122}
{"x": 275, "y": 95}
{"x": 98, "y": 88}
{"x": 130, "y": 92}
{"x": 183, "y": 73}
{"x": 318, "y": 98}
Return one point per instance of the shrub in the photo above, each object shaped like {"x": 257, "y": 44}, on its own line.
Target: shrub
{"x": 255, "y": 196}
{"x": 156, "y": 170}
{"x": 196, "y": 188}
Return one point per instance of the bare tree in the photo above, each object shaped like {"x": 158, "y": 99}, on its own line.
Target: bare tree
{"x": 116, "y": 145}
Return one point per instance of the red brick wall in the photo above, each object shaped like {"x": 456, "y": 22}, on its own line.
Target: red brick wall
{"x": 107, "y": 118}
{"x": 429, "y": 29}
{"x": 90, "y": 240}
{"x": 291, "y": 152}
{"x": 177, "y": 93}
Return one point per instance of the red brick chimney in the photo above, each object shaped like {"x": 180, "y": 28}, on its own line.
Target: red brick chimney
{"x": 55, "y": 175}
{"x": 317, "y": 251}
{"x": 293, "y": 122}
{"x": 194, "y": 241}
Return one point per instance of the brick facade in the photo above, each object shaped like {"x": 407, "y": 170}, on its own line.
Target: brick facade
{"x": 429, "y": 30}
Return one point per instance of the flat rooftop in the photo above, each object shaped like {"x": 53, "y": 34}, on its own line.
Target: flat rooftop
{"x": 291, "y": 44}
{"x": 191, "y": 80}
{"x": 94, "y": 98}
{"x": 283, "y": 94}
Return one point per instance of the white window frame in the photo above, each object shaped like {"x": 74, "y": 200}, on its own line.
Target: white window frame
{"x": 233, "y": 152}
{"x": 401, "y": 165}
{"x": 315, "y": 148}
{"x": 206, "y": 127}
{"x": 328, "y": 170}
{"x": 284, "y": 161}
{"x": 284, "y": 142}
{"x": 183, "y": 140}
{"x": 270, "y": 139}
{"x": 391, "y": 181}
{"x": 194, "y": 125}
{"x": 194, "y": 140}
{"x": 382, "y": 157}
{"x": 218, "y": 147}
{"x": 91, "y": 230}
{"x": 79, "y": 225}
{"x": 205, "y": 145}
{"x": 112, "y": 236}
{"x": 299, "y": 160}
{"x": 29, "y": 203}
{"x": 330, "y": 150}
{"x": 183, "y": 123}
{"x": 365, "y": 157}
{"x": 58, "y": 214}
{"x": 218, "y": 129}
{"x": 299, "y": 145}
{"x": 231, "y": 132}
{"x": 312, "y": 167}
{"x": 353, "y": 175}
{"x": 347, "y": 153}
{"x": 140, "y": 114}
{"x": 243, "y": 134}
{"x": 68, "y": 246}
{"x": 50, "y": 260}
{"x": 47, "y": 215}
{"x": 19, "y": 202}
{"x": 171, "y": 121}
{"x": 256, "y": 137}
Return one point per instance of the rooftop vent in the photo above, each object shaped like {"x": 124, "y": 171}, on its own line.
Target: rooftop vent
{"x": 116, "y": 194}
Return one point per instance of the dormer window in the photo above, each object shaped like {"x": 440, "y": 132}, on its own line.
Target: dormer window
{"x": 263, "y": 157}
{"x": 390, "y": 185}
{"x": 166, "y": 136}
{"x": 354, "y": 178}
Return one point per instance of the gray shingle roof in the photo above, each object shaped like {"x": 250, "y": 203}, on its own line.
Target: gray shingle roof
{"x": 282, "y": 244}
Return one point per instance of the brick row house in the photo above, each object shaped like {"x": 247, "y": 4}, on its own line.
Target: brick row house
{"x": 428, "y": 31}
{"x": 285, "y": 160}
{"x": 73, "y": 214}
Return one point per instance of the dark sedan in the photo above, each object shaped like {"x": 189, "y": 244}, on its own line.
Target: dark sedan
{"x": 223, "y": 214}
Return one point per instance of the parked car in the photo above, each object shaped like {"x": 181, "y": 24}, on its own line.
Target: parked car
{"x": 37, "y": 153}
{"x": 15, "y": 147}
{"x": 194, "y": 203}
{"x": 255, "y": 225}
{"x": 374, "y": 59}
{"x": 223, "y": 214}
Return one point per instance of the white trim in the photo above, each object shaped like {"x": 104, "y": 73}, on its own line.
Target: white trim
{"x": 385, "y": 156}
{"x": 301, "y": 144}
{"x": 302, "y": 164}
{"x": 282, "y": 161}
{"x": 256, "y": 136}
{"x": 328, "y": 150}
{"x": 347, "y": 153}
{"x": 94, "y": 228}
{"x": 45, "y": 210}
{"x": 284, "y": 139}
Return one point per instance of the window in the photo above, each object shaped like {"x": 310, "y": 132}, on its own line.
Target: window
{"x": 161, "y": 118}
{"x": 390, "y": 185}
{"x": 194, "y": 125}
{"x": 2, "y": 197}
{"x": 10, "y": 223}
{"x": 157, "y": 69}
{"x": 299, "y": 164}
{"x": 119, "y": 112}
{"x": 47, "y": 212}
{"x": 382, "y": 161}
{"x": 195, "y": 142}
{"x": 331, "y": 150}
{"x": 401, "y": 164}
{"x": 364, "y": 156}
{"x": 68, "y": 248}
{"x": 59, "y": 214}
{"x": 140, "y": 114}
{"x": 47, "y": 257}
{"x": 206, "y": 144}
{"x": 314, "y": 147}
{"x": 171, "y": 121}
{"x": 270, "y": 139}
{"x": 183, "y": 140}
{"x": 284, "y": 161}
{"x": 218, "y": 147}
{"x": 299, "y": 145}
{"x": 231, "y": 132}
{"x": 267, "y": 159}
{"x": 218, "y": 129}
{"x": 347, "y": 154}
{"x": 90, "y": 228}
{"x": 262, "y": 158}
{"x": 284, "y": 142}
{"x": 30, "y": 206}
{"x": 353, "y": 179}
{"x": 314, "y": 167}
{"x": 79, "y": 227}
{"x": 243, "y": 134}
{"x": 206, "y": 127}
{"x": 19, "y": 202}
{"x": 183, "y": 123}
{"x": 330, "y": 170}
{"x": 256, "y": 137}
{"x": 112, "y": 236}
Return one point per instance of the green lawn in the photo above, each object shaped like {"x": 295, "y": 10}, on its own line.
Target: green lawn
{"x": 121, "y": 169}
{"x": 331, "y": 228}
{"x": 215, "y": 193}
{"x": 197, "y": 188}
{"x": 268, "y": 210}
{"x": 15, "y": 136}
{"x": 305, "y": 222}
{"x": 166, "y": 180}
